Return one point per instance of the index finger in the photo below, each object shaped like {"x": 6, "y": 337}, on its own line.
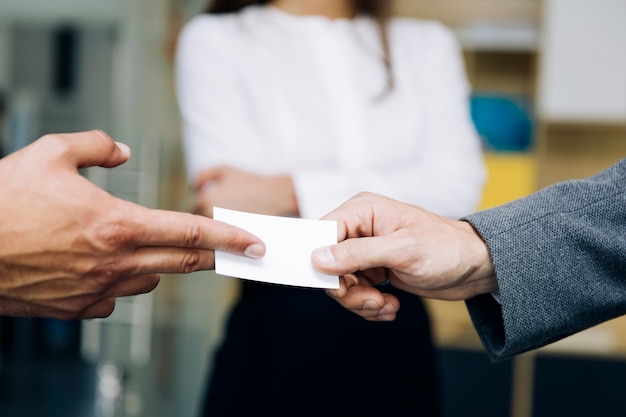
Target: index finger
{"x": 184, "y": 230}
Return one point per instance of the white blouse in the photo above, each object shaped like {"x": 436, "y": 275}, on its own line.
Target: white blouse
{"x": 273, "y": 93}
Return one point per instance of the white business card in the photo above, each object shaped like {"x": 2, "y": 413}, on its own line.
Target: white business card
{"x": 289, "y": 243}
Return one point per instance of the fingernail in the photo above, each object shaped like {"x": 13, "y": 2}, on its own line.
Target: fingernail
{"x": 255, "y": 251}
{"x": 324, "y": 256}
{"x": 123, "y": 147}
{"x": 387, "y": 309}
{"x": 371, "y": 305}
{"x": 387, "y": 317}
{"x": 331, "y": 293}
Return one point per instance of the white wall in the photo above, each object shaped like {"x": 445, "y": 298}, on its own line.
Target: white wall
{"x": 582, "y": 72}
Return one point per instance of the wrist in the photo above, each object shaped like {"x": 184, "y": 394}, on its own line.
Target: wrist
{"x": 288, "y": 201}
{"x": 479, "y": 261}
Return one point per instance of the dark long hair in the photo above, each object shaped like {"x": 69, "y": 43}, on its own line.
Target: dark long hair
{"x": 378, "y": 10}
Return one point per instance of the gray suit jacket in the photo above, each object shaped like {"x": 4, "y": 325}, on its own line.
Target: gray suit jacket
{"x": 560, "y": 261}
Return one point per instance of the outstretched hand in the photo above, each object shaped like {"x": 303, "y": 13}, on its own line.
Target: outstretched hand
{"x": 68, "y": 248}
{"x": 382, "y": 240}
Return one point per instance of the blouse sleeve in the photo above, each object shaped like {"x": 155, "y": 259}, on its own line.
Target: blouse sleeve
{"x": 211, "y": 105}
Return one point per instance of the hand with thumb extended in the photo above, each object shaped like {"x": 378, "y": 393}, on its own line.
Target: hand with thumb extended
{"x": 381, "y": 239}
{"x": 68, "y": 248}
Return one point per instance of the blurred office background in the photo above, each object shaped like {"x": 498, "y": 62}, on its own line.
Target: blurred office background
{"x": 549, "y": 100}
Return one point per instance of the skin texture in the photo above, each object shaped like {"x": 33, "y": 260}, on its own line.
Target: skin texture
{"x": 235, "y": 189}
{"x": 68, "y": 248}
{"x": 383, "y": 240}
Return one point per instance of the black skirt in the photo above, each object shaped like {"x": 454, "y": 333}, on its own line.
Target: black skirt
{"x": 296, "y": 352}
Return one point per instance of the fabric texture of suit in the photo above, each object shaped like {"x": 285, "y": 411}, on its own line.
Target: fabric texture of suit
{"x": 560, "y": 262}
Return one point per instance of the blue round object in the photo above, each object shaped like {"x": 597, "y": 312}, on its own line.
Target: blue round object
{"x": 503, "y": 122}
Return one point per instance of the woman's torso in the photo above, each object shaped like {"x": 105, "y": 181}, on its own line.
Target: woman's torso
{"x": 316, "y": 89}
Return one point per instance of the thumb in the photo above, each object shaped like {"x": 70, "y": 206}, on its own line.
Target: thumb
{"x": 95, "y": 148}
{"x": 351, "y": 255}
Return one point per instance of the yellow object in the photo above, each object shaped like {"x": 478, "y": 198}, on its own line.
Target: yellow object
{"x": 511, "y": 176}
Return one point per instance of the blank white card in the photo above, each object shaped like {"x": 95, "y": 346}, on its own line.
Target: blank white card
{"x": 289, "y": 243}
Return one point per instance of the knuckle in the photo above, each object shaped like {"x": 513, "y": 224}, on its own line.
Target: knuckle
{"x": 104, "y": 278}
{"x": 112, "y": 233}
{"x": 100, "y": 310}
{"x": 364, "y": 194}
{"x": 101, "y": 277}
{"x": 105, "y": 139}
{"x": 152, "y": 282}
{"x": 76, "y": 309}
{"x": 111, "y": 277}
{"x": 50, "y": 138}
{"x": 106, "y": 311}
{"x": 55, "y": 144}
{"x": 191, "y": 262}
{"x": 193, "y": 236}
{"x": 101, "y": 133}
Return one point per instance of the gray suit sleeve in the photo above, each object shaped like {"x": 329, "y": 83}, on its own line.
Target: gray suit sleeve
{"x": 560, "y": 262}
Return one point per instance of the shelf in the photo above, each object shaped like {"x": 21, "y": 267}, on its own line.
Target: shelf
{"x": 499, "y": 37}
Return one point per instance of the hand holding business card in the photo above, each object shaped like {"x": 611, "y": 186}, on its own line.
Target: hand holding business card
{"x": 289, "y": 243}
